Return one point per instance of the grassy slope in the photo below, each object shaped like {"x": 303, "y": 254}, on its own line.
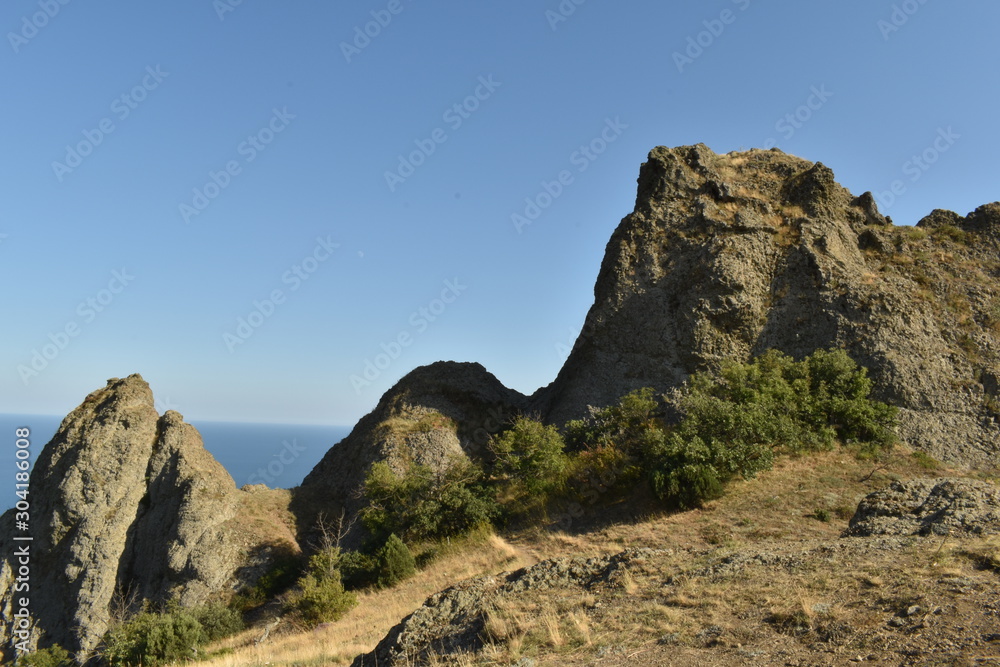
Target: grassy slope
{"x": 792, "y": 591}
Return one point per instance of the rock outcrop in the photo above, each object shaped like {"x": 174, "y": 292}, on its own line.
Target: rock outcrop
{"x": 727, "y": 256}
{"x": 929, "y": 507}
{"x": 454, "y": 620}
{"x": 431, "y": 416}
{"x": 126, "y": 504}
{"x": 723, "y": 258}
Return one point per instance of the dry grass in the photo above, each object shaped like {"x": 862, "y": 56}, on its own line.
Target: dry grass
{"x": 672, "y": 606}
{"x": 377, "y": 612}
{"x": 263, "y": 517}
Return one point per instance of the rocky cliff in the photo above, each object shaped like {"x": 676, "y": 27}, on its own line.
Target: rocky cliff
{"x": 432, "y": 415}
{"x": 127, "y": 506}
{"x": 726, "y": 256}
{"x": 723, "y": 258}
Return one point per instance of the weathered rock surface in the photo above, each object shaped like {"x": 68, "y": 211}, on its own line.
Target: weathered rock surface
{"x": 125, "y": 500}
{"x": 432, "y": 415}
{"x": 724, "y": 258}
{"x": 727, "y": 256}
{"x": 929, "y": 507}
{"x": 454, "y": 620}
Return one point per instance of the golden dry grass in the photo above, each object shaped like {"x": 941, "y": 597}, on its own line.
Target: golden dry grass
{"x": 377, "y": 612}
{"x": 668, "y": 606}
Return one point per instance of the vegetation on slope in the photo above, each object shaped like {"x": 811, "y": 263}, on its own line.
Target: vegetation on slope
{"x": 731, "y": 425}
{"x": 728, "y": 426}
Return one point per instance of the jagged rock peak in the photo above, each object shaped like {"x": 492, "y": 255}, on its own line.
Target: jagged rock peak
{"x": 123, "y": 499}
{"x": 727, "y": 256}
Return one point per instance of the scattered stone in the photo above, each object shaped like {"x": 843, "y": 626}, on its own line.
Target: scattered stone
{"x": 822, "y": 608}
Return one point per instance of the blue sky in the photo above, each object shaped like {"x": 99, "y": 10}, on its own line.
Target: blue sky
{"x": 170, "y": 168}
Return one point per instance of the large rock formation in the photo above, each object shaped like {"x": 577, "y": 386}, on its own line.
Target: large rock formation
{"x": 126, "y": 504}
{"x": 723, "y": 258}
{"x": 727, "y": 256}
{"x": 431, "y": 416}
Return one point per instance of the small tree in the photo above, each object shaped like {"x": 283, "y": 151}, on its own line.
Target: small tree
{"x": 218, "y": 620}
{"x": 358, "y": 570}
{"x": 424, "y": 504}
{"x": 620, "y": 426}
{"x": 395, "y": 562}
{"x": 530, "y": 460}
{"x": 322, "y": 599}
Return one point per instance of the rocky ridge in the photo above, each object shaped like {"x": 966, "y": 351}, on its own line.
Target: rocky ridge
{"x": 929, "y": 507}
{"x": 454, "y": 620}
{"x": 723, "y": 258}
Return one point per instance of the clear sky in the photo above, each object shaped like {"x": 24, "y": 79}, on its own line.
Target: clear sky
{"x": 167, "y": 167}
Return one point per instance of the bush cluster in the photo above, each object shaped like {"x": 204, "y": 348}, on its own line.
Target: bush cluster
{"x": 176, "y": 634}
{"x": 529, "y": 466}
{"x": 734, "y": 423}
{"x": 731, "y": 424}
{"x": 54, "y": 656}
{"x": 323, "y": 593}
{"x": 424, "y": 505}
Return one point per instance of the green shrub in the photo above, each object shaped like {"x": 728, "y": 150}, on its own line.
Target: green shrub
{"x": 423, "y": 504}
{"x": 395, "y": 562}
{"x": 282, "y": 575}
{"x": 218, "y": 620}
{"x": 358, "y": 570}
{"x": 602, "y": 473}
{"x": 823, "y": 515}
{"x": 608, "y": 446}
{"x": 841, "y": 395}
{"x": 54, "y": 656}
{"x": 925, "y": 460}
{"x": 683, "y": 472}
{"x": 322, "y": 599}
{"x": 325, "y": 563}
{"x": 152, "y": 639}
{"x": 953, "y": 233}
{"x": 175, "y": 634}
{"x": 795, "y": 406}
{"x": 618, "y": 426}
{"x": 530, "y": 461}
{"x": 734, "y": 422}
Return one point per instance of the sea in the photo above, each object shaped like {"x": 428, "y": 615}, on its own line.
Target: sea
{"x": 278, "y": 455}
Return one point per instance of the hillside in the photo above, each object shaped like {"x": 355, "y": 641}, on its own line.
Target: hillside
{"x": 761, "y": 576}
{"x": 725, "y": 259}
